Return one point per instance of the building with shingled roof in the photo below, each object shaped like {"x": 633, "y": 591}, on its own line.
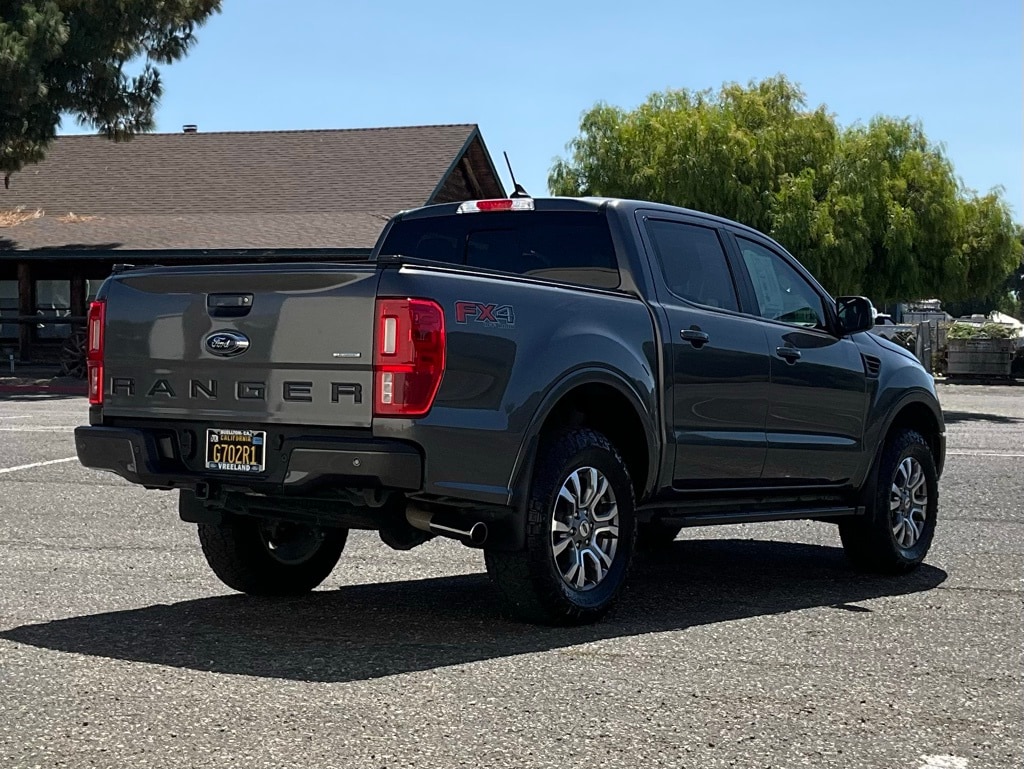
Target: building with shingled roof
{"x": 196, "y": 197}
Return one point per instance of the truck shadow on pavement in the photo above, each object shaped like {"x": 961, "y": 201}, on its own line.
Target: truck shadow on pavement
{"x": 37, "y": 397}
{"x": 363, "y": 632}
{"x": 954, "y": 417}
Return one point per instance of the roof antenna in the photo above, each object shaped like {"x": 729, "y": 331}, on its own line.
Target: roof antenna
{"x": 518, "y": 192}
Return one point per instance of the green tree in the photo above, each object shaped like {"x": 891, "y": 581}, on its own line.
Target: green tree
{"x": 910, "y": 212}
{"x": 873, "y": 209}
{"x": 988, "y": 230}
{"x": 1007, "y": 296}
{"x": 62, "y": 57}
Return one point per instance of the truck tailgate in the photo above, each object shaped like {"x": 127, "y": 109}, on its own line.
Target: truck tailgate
{"x": 250, "y": 344}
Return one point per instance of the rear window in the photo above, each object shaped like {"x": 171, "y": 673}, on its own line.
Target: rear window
{"x": 568, "y": 246}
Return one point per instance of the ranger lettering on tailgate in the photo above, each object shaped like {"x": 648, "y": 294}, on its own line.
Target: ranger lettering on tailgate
{"x": 300, "y": 392}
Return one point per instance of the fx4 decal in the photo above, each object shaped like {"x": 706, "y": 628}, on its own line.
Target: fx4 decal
{"x": 500, "y": 316}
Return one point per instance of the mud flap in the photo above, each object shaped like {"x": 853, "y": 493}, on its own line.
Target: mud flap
{"x": 191, "y": 509}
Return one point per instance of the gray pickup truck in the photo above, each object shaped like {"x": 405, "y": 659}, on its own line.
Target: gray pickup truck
{"x": 559, "y": 382}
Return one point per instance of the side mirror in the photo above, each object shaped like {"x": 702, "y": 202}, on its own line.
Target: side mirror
{"x": 855, "y": 314}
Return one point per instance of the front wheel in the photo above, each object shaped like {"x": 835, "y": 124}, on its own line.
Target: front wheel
{"x": 273, "y": 558}
{"x": 580, "y": 535}
{"x": 897, "y": 529}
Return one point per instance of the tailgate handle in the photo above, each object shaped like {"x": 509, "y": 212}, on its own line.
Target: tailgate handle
{"x": 228, "y": 305}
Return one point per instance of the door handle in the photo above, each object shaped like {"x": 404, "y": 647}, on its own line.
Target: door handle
{"x": 695, "y": 336}
{"x": 789, "y": 354}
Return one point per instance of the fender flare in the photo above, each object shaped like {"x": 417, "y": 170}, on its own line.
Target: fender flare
{"x": 522, "y": 470}
{"x": 916, "y": 396}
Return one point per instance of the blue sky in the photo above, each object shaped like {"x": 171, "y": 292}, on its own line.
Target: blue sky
{"x": 525, "y": 71}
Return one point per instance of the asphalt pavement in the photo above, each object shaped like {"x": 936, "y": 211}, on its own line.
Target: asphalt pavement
{"x": 750, "y": 646}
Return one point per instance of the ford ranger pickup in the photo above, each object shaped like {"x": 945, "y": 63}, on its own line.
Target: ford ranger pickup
{"x": 559, "y": 382}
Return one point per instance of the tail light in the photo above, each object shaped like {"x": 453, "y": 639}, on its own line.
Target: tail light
{"x": 498, "y": 204}
{"x": 408, "y": 359}
{"x": 95, "y": 331}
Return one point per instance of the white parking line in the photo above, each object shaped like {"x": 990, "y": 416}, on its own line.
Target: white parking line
{"x": 46, "y": 429}
{"x": 969, "y": 453}
{"x": 16, "y": 468}
{"x": 20, "y": 415}
{"x": 943, "y": 762}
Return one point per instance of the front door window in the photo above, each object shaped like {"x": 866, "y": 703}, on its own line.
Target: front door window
{"x": 782, "y": 293}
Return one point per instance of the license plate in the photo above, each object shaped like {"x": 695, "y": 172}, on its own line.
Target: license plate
{"x": 236, "y": 451}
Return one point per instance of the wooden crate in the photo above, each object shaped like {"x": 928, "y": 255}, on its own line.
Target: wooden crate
{"x": 980, "y": 357}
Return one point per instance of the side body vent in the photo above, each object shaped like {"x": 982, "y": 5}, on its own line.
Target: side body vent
{"x": 872, "y": 365}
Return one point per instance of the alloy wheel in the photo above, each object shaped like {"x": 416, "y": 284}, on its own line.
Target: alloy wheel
{"x": 908, "y": 503}
{"x": 585, "y": 529}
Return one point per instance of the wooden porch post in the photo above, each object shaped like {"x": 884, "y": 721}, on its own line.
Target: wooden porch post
{"x": 77, "y": 292}
{"x": 25, "y": 308}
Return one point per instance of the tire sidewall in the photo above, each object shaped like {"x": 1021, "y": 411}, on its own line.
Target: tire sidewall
{"x": 237, "y": 554}
{"x": 916, "y": 448}
{"x": 608, "y": 463}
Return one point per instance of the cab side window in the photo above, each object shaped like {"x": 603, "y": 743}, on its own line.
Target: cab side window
{"x": 693, "y": 262}
{"x": 782, "y": 293}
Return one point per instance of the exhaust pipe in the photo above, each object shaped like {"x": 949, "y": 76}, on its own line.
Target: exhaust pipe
{"x": 438, "y": 524}
{"x": 475, "y": 535}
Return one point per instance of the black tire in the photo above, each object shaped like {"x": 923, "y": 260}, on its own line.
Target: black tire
{"x": 870, "y": 542}
{"x": 239, "y": 550}
{"x": 530, "y": 582}
{"x": 655, "y": 536}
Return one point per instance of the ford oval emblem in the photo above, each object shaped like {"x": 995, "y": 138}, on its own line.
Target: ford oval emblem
{"x": 227, "y": 344}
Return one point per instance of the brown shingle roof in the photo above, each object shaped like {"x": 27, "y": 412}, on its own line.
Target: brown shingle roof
{"x": 274, "y": 189}
{"x": 196, "y": 231}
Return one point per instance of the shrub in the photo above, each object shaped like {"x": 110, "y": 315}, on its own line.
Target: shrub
{"x": 984, "y": 331}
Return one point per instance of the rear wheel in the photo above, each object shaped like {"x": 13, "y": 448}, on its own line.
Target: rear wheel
{"x": 265, "y": 557}
{"x": 897, "y": 530}
{"x": 580, "y": 534}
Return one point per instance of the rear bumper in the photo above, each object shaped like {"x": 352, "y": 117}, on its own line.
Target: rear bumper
{"x": 155, "y": 458}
